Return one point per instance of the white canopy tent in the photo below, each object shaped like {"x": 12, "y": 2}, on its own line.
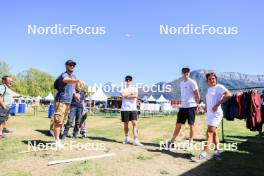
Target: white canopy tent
{"x": 99, "y": 95}
{"x": 50, "y": 97}
{"x": 151, "y": 99}
{"x": 162, "y": 99}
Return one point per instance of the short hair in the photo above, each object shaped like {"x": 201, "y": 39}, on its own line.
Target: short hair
{"x": 128, "y": 77}
{"x": 185, "y": 69}
{"x": 4, "y": 78}
{"x": 210, "y": 74}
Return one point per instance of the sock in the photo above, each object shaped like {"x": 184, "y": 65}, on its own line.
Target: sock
{"x": 204, "y": 154}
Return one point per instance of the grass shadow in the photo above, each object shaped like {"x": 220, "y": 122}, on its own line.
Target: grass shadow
{"x": 104, "y": 139}
{"x": 45, "y": 132}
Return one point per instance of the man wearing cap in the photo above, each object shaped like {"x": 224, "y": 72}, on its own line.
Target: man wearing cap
{"x": 65, "y": 85}
{"x": 129, "y": 110}
{"x": 190, "y": 98}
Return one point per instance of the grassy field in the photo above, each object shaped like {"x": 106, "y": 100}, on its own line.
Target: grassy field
{"x": 129, "y": 160}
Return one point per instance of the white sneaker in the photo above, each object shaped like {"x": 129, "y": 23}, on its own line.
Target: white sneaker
{"x": 126, "y": 141}
{"x": 59, "y": 145}
{"x": 199, "y": 158}
{"x": 137, "y": 143}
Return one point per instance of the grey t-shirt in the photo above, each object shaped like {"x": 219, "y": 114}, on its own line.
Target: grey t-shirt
{"x": 65, "y": 95}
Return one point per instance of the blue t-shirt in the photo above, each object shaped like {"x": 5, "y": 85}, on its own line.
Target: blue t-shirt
{"x": 78, "y": 103}
{"x": 65, "y": 95}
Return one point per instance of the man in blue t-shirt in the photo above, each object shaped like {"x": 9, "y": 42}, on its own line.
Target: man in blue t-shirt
{"x": 63, "y": 98}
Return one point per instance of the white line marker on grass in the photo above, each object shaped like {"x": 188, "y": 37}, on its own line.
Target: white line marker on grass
{"x": 79, "y": 159}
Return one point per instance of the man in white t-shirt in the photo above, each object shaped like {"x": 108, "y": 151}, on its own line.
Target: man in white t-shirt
{"x": 5, "y": 102}
{"x": 190, "y": 98}
{"x": 129, "y": 110}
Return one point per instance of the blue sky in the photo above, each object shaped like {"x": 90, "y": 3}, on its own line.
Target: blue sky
{"x": 147, "y": 55}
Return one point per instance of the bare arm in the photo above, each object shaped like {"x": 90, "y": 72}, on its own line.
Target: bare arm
{"x": 197, "y": 96}
{"x": 70, "y": 81}
{"x": 2, "y": 104}
{"x": 227, "y": 96}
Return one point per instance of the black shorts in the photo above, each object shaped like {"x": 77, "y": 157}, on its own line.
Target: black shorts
{"x": 127, "y": 116}
{"x": 186, "y": 114}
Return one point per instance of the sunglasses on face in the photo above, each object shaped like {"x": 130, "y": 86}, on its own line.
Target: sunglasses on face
{"x": 71, "y": 65}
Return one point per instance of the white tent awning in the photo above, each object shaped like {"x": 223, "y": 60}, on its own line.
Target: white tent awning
{"x": 162, "y": 99}
{"x": 50, "y": 97}
{"x": 99, "y": 95}
{"x": 151, "y": 98}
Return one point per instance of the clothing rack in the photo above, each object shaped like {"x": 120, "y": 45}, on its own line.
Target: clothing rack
{"x": 237, "y": 89}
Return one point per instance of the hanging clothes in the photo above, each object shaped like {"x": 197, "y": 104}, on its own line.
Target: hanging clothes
{"x": 240, "y": 105}
{"x": 230, "y": 108}
{"x": 255, "y": 120}
{"x": 262, "y": 107}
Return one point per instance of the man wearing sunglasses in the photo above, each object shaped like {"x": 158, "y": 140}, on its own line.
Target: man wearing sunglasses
{"x": 5, "y": 103}
{"x": 65, "y": 85}
{"x": 129, "y": 110}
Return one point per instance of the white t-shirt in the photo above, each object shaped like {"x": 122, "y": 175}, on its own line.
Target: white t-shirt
{"x": 187, "y": 93}
{"x": 213, "y": 96}
{"x": 129, "y": 104}
{"x": 8, "y": 95}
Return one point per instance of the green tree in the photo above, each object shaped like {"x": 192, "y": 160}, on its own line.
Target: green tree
{"x": 33, "y": 82}
{"x": 4, "y": 69}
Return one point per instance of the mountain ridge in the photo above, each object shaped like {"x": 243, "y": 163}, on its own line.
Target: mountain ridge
{"x": 231, "y": 80}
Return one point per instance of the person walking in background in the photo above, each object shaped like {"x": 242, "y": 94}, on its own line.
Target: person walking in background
{"x": 65, "y": 86}
{"x": 76, "y": 112}
{"x": 5, "y": 102}
{"x": 129, "y": 110}
{"x": 190, "y": 98}
{"x": 216, "y": 95}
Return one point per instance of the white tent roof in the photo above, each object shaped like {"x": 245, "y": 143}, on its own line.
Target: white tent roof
{"x": 49, "y": 97}
{"x": 99, "y": 95}
{"x": 162, "y": 99}
{"x": 151, "y": 98}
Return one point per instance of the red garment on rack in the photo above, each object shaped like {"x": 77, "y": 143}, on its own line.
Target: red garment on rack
{"x": 255, "y": 114}
{"x": 240, "y": 105}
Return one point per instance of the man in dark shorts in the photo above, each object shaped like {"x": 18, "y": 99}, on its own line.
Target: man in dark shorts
{"x": 129, "y": 110}
{"x": 190, "y": 98}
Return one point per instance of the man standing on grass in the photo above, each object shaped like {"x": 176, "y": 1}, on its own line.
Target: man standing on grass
{"x": 190, "y": 98}
{"x": 129, "y": 110}
{"x": 5, "y": 102}
{"x": 65, "y": 85}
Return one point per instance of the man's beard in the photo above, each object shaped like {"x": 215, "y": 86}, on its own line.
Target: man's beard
{"x": 70, "y": 71}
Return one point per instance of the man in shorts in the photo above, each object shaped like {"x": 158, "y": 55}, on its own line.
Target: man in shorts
{"x": 129, "y": 110}
{"x": 190, "y": 98}
{"x": 65, "y": 92}
{"x": 5, "y": 102}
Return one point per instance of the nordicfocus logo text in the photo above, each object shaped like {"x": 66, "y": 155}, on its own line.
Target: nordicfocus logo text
{"x": 191, "y": 29}
{"x": 58, "y": 29}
